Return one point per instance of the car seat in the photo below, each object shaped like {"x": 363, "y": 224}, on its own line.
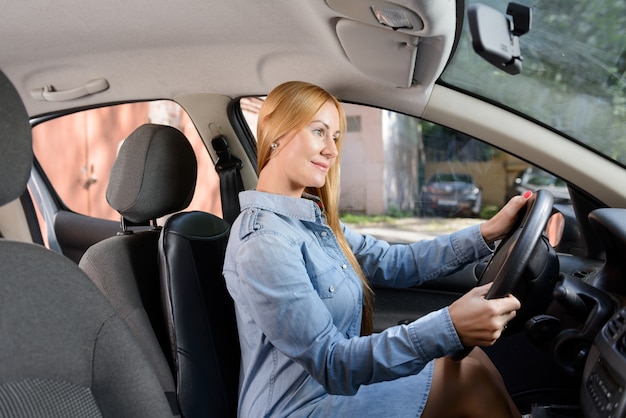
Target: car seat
{"x": 65, "y": 352}
{"x": 153, "y": 176}
{"x": 170, "y": 310}
{"x": 201, "y": 316}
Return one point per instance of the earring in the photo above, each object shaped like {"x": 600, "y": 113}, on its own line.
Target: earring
{"x": 274, "y": 146}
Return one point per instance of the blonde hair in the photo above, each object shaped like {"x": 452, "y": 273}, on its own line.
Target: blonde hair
{"x": 289, "y": 108}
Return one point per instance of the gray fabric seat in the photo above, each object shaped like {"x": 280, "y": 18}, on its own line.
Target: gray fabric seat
{"x": 153, "y": 176}
{"x": 65, "y": 352}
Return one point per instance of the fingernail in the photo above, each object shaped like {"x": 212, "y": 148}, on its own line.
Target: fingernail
{"x": 527, "y": 194}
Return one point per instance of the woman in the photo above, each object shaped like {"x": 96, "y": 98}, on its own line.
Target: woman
{"x": 301, "y": 284}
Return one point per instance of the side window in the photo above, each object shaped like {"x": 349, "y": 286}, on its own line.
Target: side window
{"x": 397, "y": 166}
{"x": 77, "y": 152}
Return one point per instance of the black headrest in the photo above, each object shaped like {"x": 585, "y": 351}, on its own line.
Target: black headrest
{"x": 154, "y": 174}
{"x": 16, "y": 150}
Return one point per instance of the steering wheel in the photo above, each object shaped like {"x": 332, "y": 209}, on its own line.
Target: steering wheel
{"x": 512, "y": 255}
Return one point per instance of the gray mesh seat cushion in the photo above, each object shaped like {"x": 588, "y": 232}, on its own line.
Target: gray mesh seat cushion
{"x": 35, "y": 398}
{"x": 57, "y": 326}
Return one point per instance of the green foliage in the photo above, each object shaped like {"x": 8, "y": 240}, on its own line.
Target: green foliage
{"x": 487, "y": 211}
{"x": 361, "y": 219}
{"x": 395, "y": 212}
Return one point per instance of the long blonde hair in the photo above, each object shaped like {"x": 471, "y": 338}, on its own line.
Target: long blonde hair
{"x": 289, "y": 108}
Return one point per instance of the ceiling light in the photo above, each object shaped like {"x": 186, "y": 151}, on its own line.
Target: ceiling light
{"x": 392, "y": 17}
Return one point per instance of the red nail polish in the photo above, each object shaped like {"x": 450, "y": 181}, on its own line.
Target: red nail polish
{"x": 527, "y": 194}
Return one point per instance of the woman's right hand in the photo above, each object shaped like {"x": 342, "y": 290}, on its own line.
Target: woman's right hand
{"x": 499, "y": 225}
{"x": 478, "y": 321}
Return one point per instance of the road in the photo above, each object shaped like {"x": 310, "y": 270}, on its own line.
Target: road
{"x": 407, "y": 230}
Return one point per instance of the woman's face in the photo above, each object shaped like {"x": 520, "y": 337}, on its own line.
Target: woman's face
{"x": 305, "y": 160}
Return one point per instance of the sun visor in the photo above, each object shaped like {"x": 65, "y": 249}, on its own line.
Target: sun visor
{"x": 384, "y": 55}
{"x": 381, "y": 38}
{"x": 402, "y": 15}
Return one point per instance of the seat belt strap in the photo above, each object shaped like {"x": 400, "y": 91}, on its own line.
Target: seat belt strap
{"x": 173, "y": 401}
{"x": 228, "y": 168}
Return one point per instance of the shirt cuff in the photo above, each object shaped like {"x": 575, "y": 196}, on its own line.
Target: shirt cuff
{"x": 469, "y": 244}
{"x": 434, "y": 335}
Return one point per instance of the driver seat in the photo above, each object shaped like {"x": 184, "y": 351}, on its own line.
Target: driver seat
{"x": 204, "y": 343}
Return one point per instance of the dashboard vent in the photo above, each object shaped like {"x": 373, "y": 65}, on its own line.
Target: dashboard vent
{"x": 582, "y": 273}
{"x": 615, "y": 327}
{"x": 621, "y": 346}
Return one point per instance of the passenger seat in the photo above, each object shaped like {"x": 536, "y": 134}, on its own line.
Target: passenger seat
{"x": 167, "y": 282}
{"x": 153, "y": 176}
{"x": 64, "y": 352}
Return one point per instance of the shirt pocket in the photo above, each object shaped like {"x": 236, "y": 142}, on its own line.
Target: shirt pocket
{"x": 328, "y": 282}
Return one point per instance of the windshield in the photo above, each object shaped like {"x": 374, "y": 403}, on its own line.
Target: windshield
{"x": 574, "y": 60}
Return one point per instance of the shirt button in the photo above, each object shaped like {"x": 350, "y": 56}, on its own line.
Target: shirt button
{"x": 343, "y": 266}
{"x": 331, "y": 289}
{"x": 324, "y": 233}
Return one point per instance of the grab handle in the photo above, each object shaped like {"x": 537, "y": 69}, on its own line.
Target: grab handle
{"x": 50, "y": 94}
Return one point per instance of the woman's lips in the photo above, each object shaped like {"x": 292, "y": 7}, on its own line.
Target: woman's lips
{"x": 322, "y": 166}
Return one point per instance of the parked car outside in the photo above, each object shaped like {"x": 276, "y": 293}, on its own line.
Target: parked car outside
{"x": 451, "y": 194}
{"x": 534, "y": 178}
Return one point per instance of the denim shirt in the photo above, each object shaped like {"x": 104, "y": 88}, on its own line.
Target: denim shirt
{"x": 299, "y": 304}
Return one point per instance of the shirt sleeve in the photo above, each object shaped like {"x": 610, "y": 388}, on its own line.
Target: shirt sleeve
{"x": 405, "y": 265}
{"x": 275, "y": 290}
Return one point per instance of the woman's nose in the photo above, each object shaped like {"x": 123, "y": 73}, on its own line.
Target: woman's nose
{"x": 330, "y": 150}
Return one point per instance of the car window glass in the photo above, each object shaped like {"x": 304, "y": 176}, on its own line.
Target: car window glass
{"x": 422, "y": 176}
{"x": 77, "y": 152}
{"x": 573, "y": 73}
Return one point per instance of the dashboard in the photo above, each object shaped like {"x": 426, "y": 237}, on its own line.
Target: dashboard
{"x": 591, "y": 311}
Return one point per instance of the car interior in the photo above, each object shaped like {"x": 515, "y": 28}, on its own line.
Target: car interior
{"x": 124, "y": 312}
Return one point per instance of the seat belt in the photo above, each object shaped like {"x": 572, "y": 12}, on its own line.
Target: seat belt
{"x": 228, "y": 168}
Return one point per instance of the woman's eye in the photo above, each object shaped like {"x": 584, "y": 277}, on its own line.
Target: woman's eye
{"x": 319, "y": 132}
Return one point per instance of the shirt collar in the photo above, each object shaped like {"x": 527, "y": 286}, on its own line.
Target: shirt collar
{"x": 307, "y": 208}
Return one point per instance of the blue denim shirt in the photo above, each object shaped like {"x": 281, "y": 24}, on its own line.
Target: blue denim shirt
{"x": 299, "y": 304}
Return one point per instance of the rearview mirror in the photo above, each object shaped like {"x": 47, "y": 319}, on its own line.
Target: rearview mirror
{"x": 495, "y": 37}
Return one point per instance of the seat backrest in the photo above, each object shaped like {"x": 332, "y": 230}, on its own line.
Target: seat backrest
{"x": 153, "y": 176}
{"x": 201, "y": 316}
{"x": 125, "y": 270}
{"x": 64, "y": 352}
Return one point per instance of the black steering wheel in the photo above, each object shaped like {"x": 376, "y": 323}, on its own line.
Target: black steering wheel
{"x": 510, "y": 260}
{"x": 511, "y": 257}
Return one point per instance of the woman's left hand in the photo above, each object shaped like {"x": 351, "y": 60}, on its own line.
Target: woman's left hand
{"x": 499, "y": 225}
